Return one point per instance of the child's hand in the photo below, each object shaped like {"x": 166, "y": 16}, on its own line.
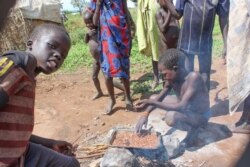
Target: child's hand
{"x": 141, "y": 104}
{"x": 99, "y": 2}
{"x": 141, "y": 122}
{"x": 62, "y": 146}
{"x": 92, "y": 32}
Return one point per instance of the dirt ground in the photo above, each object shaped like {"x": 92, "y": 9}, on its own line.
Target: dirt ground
{"x": 64, "y": 110}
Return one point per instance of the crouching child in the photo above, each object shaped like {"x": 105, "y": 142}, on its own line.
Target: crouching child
{"x": 191, "y": 109}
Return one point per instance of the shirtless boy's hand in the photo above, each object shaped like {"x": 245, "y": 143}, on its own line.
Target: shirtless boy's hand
{"x": 92, "y": 32}
{"x": 99, "y": 2}
{"x": 141, "y": 104}
{"x": 141, "y": 122}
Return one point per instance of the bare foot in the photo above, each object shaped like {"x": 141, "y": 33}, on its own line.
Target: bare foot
{"x": 129, "y": 105}
{"x": 109, "y": 107}
{"x": 223, "y": 61}
{"x": 154, "y": 84}
{"x": 97, "y": 95}
{"x": 244, "y": 128}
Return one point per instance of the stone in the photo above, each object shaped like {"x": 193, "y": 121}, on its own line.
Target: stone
{"x": 95, "y": 163}
{"x": 96, "y": 118}
{"x": 172, "y": 145}
{"x": 118, "y": 157}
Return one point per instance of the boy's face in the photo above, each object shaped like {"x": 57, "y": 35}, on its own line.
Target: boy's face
{"x": 50, "y": 50}
{"x": 161, "y": 2}
{"x": 88, "y": 19}
{"x": 167, "y": 74}
{"x": 89, "y": 23}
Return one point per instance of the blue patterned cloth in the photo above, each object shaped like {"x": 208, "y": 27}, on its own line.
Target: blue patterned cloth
{"x": 114, "y": 38}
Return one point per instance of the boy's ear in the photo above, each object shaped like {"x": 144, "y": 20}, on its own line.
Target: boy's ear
{"x": 29, "y": 44}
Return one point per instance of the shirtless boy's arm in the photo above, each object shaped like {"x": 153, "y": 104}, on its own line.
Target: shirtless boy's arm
{"x": 193, "y": 84}
{"x": 144, "y": 118}
{"x": 163, "y": 22}
{"x": 96, "y": 16}
{"x": 143, "y": 103}
{"x": 168, "y": 4}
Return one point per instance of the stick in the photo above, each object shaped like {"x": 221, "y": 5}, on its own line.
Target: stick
{"x": 91, "y": 137}
{"x": 90, "y": 156}
{"x": 202, "y": 164}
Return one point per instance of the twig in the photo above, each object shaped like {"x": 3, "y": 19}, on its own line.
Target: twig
{"x": 91, "y": 156}
{"x": 203, "y": 163}
{"x": 91, "y": 137}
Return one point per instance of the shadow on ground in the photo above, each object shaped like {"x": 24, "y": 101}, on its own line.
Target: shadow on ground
{"x": 212, "y": 133}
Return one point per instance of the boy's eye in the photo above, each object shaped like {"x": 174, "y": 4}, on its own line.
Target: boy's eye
{"x": 52, "y": 46}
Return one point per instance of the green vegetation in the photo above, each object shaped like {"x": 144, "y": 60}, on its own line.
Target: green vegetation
{"x": 80, "y": 57}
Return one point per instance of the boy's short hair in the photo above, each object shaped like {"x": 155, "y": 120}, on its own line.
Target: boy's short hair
{"x": 39, "y": 30}
{"x": 171, "y": 58}
{"x": 87, "y": 16}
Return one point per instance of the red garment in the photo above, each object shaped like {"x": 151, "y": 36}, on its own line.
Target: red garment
{"x": 114, "y": 38}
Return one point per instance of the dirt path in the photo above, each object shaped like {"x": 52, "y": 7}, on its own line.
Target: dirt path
{"x": 64, "y": 110}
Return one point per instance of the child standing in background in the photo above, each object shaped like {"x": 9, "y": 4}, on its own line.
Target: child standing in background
{"x": 114, "y": 44}
{"x": 169, "y": 28}
{"x": 91, "y": 40}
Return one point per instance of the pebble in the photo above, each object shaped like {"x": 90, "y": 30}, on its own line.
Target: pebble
{"x": 96, "y": 118}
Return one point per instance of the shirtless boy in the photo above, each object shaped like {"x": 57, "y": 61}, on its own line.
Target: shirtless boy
{"x": 91, "y": 40}
{"x": 192, "y": 105}
{"x": 168, "y": 26}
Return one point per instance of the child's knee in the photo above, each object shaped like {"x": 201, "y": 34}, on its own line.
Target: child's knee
{"x": 154, "y": 96}
{"x": 173, "y": 118}
{"x": 169, "y": 119}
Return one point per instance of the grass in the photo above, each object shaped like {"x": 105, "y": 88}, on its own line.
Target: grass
{"x": 80, "y": 57}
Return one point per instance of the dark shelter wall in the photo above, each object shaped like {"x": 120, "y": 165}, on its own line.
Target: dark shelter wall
{"x": 5, "y": 6}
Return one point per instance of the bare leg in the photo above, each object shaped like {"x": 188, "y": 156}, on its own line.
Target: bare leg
{"x": 155, "y": 73}
{"x": 128, "y": 100}
{"x": 243, "y": 125}
{"x": 110, "y": 88}
{"x": 175, "y": 119}
{"x": 96, "y": 69}
{"x": 118, "y": 85}
{"x": 191, "y": 123}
